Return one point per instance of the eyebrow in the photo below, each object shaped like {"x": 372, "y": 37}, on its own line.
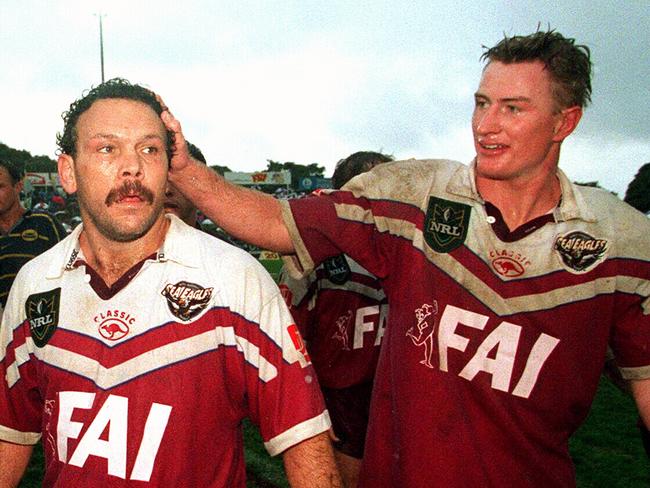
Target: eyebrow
{"x": 504, "y": 100}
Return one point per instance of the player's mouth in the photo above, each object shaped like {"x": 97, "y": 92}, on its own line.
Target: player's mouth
{"x": 490, "y": 148}
{"x": 131, "y": 192}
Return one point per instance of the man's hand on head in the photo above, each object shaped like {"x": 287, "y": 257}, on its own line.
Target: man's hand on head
{"x": 180, "y": 155}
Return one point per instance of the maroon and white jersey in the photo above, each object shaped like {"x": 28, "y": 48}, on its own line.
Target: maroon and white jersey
{"x": 493, "y": 348}
{"x": 147, "y": 382}
{"x": 341, "y": 312}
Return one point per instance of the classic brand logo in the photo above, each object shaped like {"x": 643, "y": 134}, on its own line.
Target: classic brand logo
{"x": 114, "y": 324}
{"x": 337, "y": 269}
{"x": 580, "y": 251}
{"x": 508, "y": 267}
{"x": 446, "y": 224}
{"x": 186, "y": 300}
{"x": 42, "y": 311}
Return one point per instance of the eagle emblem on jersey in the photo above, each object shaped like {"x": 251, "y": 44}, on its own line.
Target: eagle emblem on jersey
{"x": 186, "y": 300}
{"x": 42, "y": 311}
{"x": 446, "y": 224}
{"x": 337, "y": 269}
{"x": 580, "y": 252}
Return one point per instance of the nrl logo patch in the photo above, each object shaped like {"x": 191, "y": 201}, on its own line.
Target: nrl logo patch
{"x": 42, "y": 311}
{"x": 338, "y": 269}
{"x": 186, "y": 300}
{"x": 580, "y": 251}
{"x": 446, "y": 224}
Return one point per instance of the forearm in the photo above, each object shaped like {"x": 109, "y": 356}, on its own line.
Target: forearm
{"x": 641, "y": 393}
{"x": 311, "y": 464}
{"x": 249, "y": 215}
{"x": 13, "y": 462}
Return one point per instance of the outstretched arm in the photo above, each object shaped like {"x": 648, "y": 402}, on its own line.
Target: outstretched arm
{"x": 13, "y": 462}
{"x": 249, "y": 215}
{"x": 311, "y": 464}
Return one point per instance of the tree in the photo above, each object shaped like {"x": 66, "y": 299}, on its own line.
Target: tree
{"x": 298, "y": 171}
{"x": 220, "y": 169}
{"x": 24, "y": 160}
{"x": 638, "y": 191}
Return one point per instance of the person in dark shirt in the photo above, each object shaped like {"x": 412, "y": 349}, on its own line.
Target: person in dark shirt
{"x": 24, "y": 234}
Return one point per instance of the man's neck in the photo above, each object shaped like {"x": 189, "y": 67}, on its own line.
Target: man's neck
{"x": 521, "y": 202}
{"x": 9, "y": 218}
{"x": 111, "y": 259}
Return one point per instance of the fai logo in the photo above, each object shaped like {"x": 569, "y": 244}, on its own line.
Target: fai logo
{"x": 422, "y": 333}
{"x": 446, "y": 224}
{"x": 337, "y": 269}
{"x": 42, "y": 311}
{"x": 581, "y": 252}
{"x": 186, "y": 300}
{"x": 341, "y": 333}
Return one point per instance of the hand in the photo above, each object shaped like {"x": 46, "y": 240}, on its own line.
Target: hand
{"x": 180, "y": 155}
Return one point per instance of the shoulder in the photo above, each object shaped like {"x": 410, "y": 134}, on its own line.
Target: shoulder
{"x": 405, "y": 180}
{"x": 44, "y": 222}
{"x": 228, "y": 264}
{"x": 620, "y": 222}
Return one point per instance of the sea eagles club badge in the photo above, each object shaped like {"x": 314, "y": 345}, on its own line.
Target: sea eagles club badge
{"x": 42, "y": 311}
{"x": 186, "y": 300}
{"x": 580, "y": 251}
{"x": 446, "y": 224}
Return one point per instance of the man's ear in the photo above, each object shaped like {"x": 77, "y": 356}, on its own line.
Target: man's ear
{"x": 67, "y": 176}
{"x": 567, "y": 121}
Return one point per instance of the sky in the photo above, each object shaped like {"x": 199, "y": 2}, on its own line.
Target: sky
{"x": 314, "y": 81}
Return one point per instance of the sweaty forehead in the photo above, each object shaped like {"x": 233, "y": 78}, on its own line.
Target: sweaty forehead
{"x": 528, "y": 79}
{"x": 120, "y": 118}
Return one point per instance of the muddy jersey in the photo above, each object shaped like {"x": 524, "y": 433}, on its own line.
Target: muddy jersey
{"x": 34, "y": 233}
{"x": 341, "y": 312}
{"x": 493, "y": 349}
{"x": 146, "y": 383}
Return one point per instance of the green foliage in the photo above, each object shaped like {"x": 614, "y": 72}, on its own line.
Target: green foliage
{"x": 638, "y": 191}
{"x": 24, "y": 160}
{"x": 298, "y": 171}
{"x": 220, "y": 169}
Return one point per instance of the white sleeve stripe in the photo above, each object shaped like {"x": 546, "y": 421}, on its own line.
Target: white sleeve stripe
{"x": 298, "y": 433}
{"x": 18, "y": 437}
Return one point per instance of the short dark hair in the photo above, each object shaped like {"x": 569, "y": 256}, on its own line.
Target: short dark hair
{"x": 114, "y": 88}
{"x": 568, "y": 63}
{"x": 355, "y": 164}
{"x": 195, "y": 152}
{"x": 16, "y": 172}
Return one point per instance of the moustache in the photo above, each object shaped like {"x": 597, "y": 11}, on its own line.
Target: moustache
{"x": 129, "y": 189}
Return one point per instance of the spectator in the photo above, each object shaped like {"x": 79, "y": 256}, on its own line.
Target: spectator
{"x": 24, "y": 234}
